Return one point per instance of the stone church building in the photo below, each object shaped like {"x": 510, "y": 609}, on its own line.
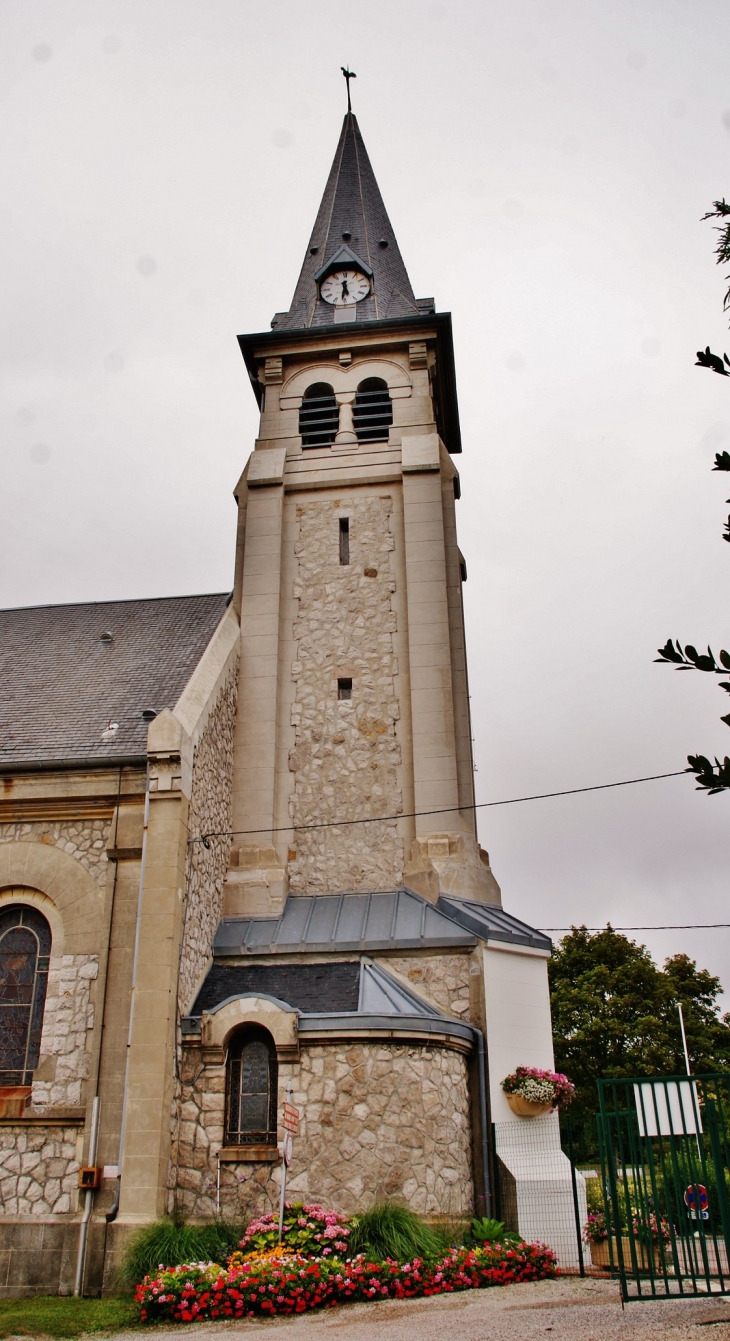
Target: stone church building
{"x": 238, "y": 849}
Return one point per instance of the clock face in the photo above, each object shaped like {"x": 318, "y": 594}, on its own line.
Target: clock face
{"x": 345, "y": 288}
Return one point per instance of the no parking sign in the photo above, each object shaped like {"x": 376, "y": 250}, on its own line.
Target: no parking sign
{"x": 696, "y": 1199}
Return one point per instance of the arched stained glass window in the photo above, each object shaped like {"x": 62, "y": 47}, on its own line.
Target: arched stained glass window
{"x": 252, "y": 1082}
{"x": 25, "y": 946}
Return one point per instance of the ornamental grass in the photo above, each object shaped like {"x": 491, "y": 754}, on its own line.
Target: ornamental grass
{"x": 295, "y": 1284}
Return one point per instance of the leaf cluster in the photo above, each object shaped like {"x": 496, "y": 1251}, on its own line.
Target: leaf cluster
{"x": 688, "y": 658}
{"x": 615, "y": 1013}
{"x": 712, "y": 778}
{"x": 389, "y": 1230}
{"x": 721, "y": 210}
{"x": 706, "y": 359}
{"x": 174, "y": 1241}
{"x": 487, "y": 1230}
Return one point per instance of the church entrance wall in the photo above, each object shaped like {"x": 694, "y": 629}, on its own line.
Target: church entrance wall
{"x": 377, "y": 1121}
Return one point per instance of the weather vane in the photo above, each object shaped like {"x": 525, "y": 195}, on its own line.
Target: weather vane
{"x": 349, "y": 74}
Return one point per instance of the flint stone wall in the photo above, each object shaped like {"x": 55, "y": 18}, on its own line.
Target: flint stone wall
{"x": 443, "y": 979}
{"x": 376, "y": 1122}
{"x": 85, "y": 840}
{"x": 68, "y": 1021}
{"x": 210, "y": 812}
{"x": 346, "y": 754}
{"x": 39, "y": 1170}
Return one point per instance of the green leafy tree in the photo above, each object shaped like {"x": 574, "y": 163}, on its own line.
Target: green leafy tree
{"x": 615, "y": 1014}
{"x": 710, "y": 777}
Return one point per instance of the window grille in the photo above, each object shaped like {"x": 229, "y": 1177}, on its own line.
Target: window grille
{"x": 319, "y": 416}
{"x": 373, "y": 410}
{"x": 344, "y": 689}
{"x": 25, "y": 947}
{"x": 252, "y": 1086}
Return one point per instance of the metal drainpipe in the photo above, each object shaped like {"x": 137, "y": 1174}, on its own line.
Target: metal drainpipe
{"x": 482, "y": 1071}
{"x": 84, "y": 1226}
{"x": 114, "y": 1208}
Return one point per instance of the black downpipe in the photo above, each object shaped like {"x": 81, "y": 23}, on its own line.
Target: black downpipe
{"x": 483, "y": 1124}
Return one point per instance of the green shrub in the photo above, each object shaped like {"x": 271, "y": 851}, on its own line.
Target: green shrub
{"x": 492, "y": 1231}
{"x": 390, "y": 1230}
{"x": 594, "y": 1194}
{"x": 173, "y": 1242}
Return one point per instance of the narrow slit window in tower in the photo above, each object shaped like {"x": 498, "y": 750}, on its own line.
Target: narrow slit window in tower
{"x": 373, "y": 410}
{"x": 344, "y": 689}
{"x": 319, "y": 416}
{"x": 344, "y": 540}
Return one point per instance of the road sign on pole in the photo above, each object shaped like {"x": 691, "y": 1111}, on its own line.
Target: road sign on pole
{"x": 290, "y": 1122}
{"x": 291, "y": 1119}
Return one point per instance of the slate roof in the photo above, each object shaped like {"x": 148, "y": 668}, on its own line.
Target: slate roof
{"x": 60, "y": 685}
{"x": 344, "y": 993}
{"x": 336, "y": 922}
{"x": 307, "y": 987}
{"x": 352, "y": 204}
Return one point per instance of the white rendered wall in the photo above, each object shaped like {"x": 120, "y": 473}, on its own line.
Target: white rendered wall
{"x": 519, "y": 1033}
{"x": 519, "y": 1028}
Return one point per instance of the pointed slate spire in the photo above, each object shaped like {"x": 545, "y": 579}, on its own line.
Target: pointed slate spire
{"x": 352, "y": 216}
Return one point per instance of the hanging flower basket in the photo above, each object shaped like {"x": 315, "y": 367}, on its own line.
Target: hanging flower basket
{"x": 531, "y": 1092}
{"x": 526, "y": 1107}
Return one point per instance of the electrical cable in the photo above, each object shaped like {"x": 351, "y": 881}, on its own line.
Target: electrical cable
{"x": 447, "y": 810}
{"x": 673, "y": 926}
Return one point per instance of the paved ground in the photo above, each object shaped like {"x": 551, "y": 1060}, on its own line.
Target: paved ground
{"x": 578, "y": 1310}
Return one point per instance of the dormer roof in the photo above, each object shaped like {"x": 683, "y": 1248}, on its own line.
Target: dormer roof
{"x": 344, "y": 259}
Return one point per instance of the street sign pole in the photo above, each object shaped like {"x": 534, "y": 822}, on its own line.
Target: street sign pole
{"x": 291, "y": 1127}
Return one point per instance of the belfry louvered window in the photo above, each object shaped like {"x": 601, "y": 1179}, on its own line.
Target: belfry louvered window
{"x": 319, "y": 416}
{"x": 373, "y": 410}
{"x": 252, "y": 1082}
{"x": 25, "y": 946}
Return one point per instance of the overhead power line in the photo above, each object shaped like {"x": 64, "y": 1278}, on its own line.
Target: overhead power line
{"x": 448, "y": 810}
{"x": 673, "y": 926}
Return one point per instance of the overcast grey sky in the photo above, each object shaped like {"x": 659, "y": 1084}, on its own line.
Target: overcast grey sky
{"x": 545, "y": 166}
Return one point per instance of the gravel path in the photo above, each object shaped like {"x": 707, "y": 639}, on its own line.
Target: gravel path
{"x": 586, "y": 1310}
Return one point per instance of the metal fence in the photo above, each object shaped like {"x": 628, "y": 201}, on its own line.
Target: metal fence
{"x": 665, "y": 1171}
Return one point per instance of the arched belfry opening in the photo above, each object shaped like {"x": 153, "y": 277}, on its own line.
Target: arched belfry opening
{"x": 373, "y": 410}
{"x": 319, "y": 416}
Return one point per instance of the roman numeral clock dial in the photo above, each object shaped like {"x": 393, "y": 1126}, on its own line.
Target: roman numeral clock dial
{"x": 345, "y": 288}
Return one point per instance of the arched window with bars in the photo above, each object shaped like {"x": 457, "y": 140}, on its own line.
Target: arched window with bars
{"x": 373, "y": 410}
{"x": 319, "y": 416}
{"x": 25, "y": 947}
{"x": 252, "y": 1076}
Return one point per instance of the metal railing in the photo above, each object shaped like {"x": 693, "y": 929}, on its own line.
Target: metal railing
{"x": 664, "y": 1166}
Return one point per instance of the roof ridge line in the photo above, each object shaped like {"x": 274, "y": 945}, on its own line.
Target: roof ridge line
{"x": 122, "y": 600}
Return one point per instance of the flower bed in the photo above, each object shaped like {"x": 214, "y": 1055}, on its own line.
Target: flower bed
{"x": 295, "y": 1284}
{"x": 309, "y": 1230}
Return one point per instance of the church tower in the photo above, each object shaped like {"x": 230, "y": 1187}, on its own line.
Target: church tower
{"x": 353, "y": 707}
{"x": 242, "y": 830}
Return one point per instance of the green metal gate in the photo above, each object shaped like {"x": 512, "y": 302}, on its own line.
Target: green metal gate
{"x": 665, "y": 1158}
